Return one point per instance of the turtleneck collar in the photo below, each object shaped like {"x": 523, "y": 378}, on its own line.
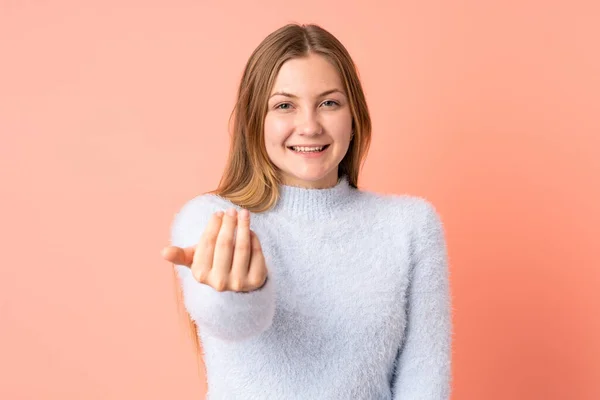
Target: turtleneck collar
{"x": 314, "y": 203}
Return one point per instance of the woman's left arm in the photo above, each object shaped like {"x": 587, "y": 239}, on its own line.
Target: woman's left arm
{"x": 423, "y": 369}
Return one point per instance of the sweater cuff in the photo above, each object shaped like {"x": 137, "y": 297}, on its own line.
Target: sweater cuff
{"x": 228, "y": 315}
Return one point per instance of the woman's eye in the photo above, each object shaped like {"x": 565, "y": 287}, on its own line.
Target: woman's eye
{"x": 283, "y": 106}
{"x": 330, "y": 103}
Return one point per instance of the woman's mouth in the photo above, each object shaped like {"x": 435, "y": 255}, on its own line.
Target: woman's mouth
{"x": 308, "y": 149}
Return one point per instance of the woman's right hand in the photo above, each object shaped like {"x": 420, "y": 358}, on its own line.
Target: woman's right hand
{"x": 221, "y": 259}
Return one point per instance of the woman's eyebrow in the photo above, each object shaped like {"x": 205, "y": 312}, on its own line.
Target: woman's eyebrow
{"x": 293, "y": 96}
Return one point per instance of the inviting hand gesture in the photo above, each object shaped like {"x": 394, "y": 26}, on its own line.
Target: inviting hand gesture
{"x": 224, "y": 259}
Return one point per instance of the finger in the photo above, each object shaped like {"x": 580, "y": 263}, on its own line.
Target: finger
{"x": 257, "y": 272}
{"x": 203, "y": 257}
{"x": 223, "y": 257}
{"x": 241, "y": 254}
{"x": 178, "y": 255}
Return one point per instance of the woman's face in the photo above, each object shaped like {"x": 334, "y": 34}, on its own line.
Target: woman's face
{"x": 308, "y": 125}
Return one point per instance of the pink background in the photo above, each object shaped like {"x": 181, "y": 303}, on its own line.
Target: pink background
{"x": 114, "y": 113}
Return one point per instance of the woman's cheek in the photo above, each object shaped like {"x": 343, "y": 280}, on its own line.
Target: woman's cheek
{"x": 281, "y": 125}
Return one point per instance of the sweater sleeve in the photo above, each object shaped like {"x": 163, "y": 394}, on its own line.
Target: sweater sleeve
{"x": 231, "y": 316}
{"x": 423, "y": 369}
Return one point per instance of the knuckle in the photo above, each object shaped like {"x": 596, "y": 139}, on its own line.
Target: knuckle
{"x": 237, "y": 284}
{"x": 256, "y": 246}
{"x": 203, "y": 278}
{"x": 196, "y": 275}
{"x": 200, "y": 275}
{"x": 256, "y": 281}
{"x": 209, "y": 243}
{"x": 243, "y": 246}
{"x": 225, "y": 242}
{"x": 219, "y": 284}
{"x": 196, "y": 270}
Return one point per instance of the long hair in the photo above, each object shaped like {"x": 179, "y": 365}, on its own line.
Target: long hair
{"x": 250, "y": 180}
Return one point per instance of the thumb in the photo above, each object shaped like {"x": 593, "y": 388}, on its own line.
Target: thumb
{"x": 178, "y": 255}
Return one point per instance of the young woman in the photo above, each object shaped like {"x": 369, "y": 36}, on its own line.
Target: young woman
{"x": 301, "y": 285}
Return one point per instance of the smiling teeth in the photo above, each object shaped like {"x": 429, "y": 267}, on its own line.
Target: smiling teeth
{"x": 307, "y": 149}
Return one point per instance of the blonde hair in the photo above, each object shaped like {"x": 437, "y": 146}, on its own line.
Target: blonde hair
{"x": 250, "y": 180}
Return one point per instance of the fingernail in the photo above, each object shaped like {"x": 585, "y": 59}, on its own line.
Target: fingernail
{"x": 244, "y": 214}
{"x": 219, "y": 214}
{"x": 231, "y": 212}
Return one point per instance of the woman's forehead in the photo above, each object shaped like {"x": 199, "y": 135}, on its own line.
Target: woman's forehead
{"x": 311, "y": 75}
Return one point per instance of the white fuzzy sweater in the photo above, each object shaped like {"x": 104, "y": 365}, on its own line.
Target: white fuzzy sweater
{"x": 356, "y": 305}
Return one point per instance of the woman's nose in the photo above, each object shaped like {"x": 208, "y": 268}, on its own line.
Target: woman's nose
{"x": 309, "y": 124}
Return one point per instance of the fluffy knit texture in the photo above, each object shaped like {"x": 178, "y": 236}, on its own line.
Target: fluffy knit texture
{"x": 356, "y": 304}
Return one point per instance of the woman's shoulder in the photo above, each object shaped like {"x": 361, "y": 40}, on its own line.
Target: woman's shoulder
{"x": 205, "y": 203}
{"x": 408, "y": 209}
